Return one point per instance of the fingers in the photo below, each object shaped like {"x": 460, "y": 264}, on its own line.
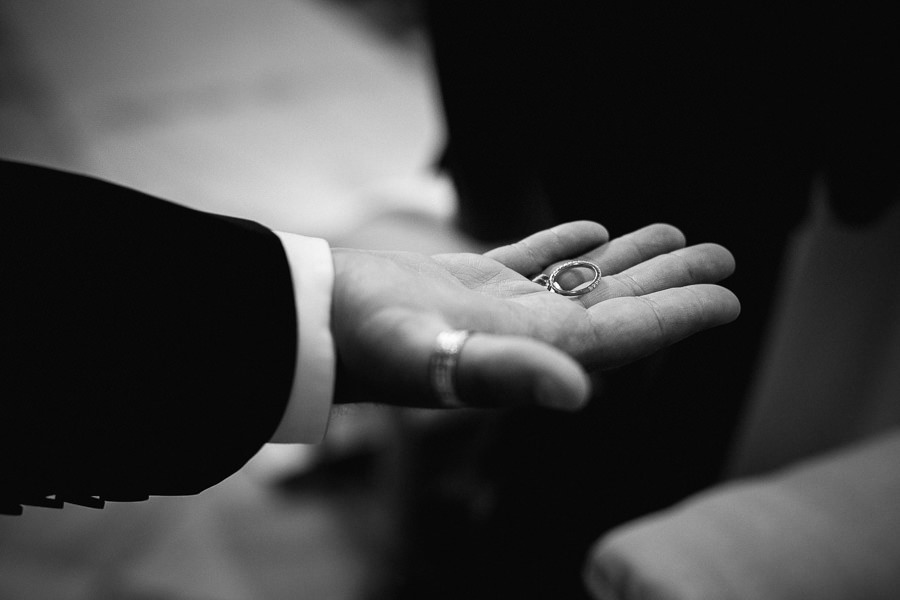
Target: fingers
{"x": 496, "y": 370}
{"x": 543, "y": 251}
{"x": 631, "y": 249}
{"x": 703, "y": 263}
{"x": 531, "y": 255}
{"x": 636, "y": 247}
{"x": 628, "y": 328}
{"x": 624, "y": 252}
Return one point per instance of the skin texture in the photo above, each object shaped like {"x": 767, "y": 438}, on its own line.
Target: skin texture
{"x": 531, "y": 346}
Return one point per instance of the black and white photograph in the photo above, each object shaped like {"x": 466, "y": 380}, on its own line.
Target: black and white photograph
{"x": 426, "y": 300}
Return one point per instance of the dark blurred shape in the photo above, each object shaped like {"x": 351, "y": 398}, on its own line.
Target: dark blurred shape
{"x": 714, "y": 117}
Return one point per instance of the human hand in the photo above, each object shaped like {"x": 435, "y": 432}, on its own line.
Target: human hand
{"x": 531, "y": 346}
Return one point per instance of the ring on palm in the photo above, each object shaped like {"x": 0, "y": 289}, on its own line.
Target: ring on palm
{"x": 550, "y": 281}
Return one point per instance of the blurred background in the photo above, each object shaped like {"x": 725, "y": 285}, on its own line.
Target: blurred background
{"x": 322, "y": 117}
{"x": 304, "y": 115}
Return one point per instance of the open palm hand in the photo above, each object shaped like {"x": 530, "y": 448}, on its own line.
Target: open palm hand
{"x": 532, "y": 346}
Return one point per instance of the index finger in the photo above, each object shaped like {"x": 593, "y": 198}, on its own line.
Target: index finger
{"x": 531, "y": 255}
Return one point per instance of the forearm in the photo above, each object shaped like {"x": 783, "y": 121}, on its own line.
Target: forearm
{"x": 148, "y": 348}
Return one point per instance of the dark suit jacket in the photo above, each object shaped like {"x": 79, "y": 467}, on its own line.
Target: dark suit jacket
{"x": 147, "y": 348}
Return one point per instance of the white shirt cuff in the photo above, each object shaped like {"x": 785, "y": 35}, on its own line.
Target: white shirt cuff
{"x": 305, "y": 419}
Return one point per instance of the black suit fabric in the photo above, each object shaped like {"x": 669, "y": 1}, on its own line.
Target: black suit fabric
{"x": 148, "y": 348}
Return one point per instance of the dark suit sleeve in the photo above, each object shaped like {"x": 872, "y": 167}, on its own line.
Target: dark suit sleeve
{"x": 147, "y": 348}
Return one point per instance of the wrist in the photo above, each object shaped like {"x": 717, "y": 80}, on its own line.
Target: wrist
{"x": 312, "y": 272}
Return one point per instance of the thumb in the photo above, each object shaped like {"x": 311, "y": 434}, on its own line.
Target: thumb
{"x": 504, "y": 370}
